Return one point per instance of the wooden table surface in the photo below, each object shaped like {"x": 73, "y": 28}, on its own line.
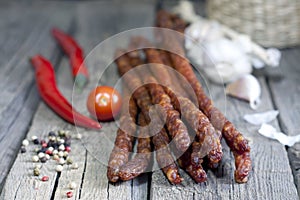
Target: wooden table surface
{"x": 25, "y": 31}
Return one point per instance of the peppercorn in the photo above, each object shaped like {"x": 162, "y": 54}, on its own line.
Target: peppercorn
{"x": 61, "y": 147}
{"x": 43, "y": 159}
{"x": 35, "y": 159}
{"x": 47, "y": 156}
{"x": 48, "y": 152}
{"x": 60, "y": 154}
{"x": 36, "y": 141}
{"x": 78, "y": 136}
{"x": 67, "y": 134}
{"x": 69, "y": 194}
{"x": 52, "y": 139}
{"x": 41, "y": 154}
{"x": 68, "y": 149}
{"x": 74, "y": 166}
{"x": 59, "y": 168}
{"x": 61, "y": 161}
{"x": 34, "y": 137}
{"x": 55, "y": 157}
{"x": 55, "y": 152}
{"x": 23, "y": 149}
{"x": 69, "y": 161}
{"x": 50, "y": 149}
{"x": 36, "y": 171}
{"x": 65, "y": 154}
{"x": 45, "y": 178}
{"x": 52, "y": 133}
{"x": 44, "y": 145}
{"x": 25, "y": 142}
{"x": 72, "y": 185}
{"x": 61, "y": 133}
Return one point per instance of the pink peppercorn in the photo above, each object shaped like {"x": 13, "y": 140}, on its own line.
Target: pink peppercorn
{"x": 44, "y": 145}
{"x": 68, "y": 149}
{"x": 69, "y": 194}
{"x": 45, "y": 178}
{"x": 48, "y": 152}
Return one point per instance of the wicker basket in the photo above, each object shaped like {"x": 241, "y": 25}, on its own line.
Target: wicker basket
{"x": 271, "y": 23}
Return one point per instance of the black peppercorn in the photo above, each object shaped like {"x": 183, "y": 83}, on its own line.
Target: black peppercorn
{"x": 36, "y": 141}
{"x": 52, "y": 133}
{"x": 23, "y": 149}
{"x": 43, "y": 159}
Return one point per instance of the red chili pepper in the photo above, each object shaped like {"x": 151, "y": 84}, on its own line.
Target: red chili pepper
{"x": 75, "y": 53}
{"x": 45, "y": 79}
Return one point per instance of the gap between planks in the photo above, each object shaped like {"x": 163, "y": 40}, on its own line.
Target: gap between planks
{"x": 21, "y": 98}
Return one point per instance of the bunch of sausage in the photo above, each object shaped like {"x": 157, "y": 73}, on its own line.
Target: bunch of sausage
{"x": 188, "y": 127}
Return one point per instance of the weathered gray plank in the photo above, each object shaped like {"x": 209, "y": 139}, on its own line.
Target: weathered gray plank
{"x": 78, "y": 152}
{"x": 122, "y": 16}
{"x": 21, "y": 174}
{"x": 270, "y": 163}
{"x": 271, "y": 177}
{"x": 284, "y": 85}
{"x": 19, "y": 98}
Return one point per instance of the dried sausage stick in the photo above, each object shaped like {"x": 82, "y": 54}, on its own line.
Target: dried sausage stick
{"x": 195, "y": 171}
{"x": 175, "y": 81}
{"x": 140, "y": 162}
{"x": 175, "y": 126}
{"x": 198, "y": 121}
{"x": 235, "y": 140}
{"x": 160, "y": 140}
{"x": 124, "y": 139}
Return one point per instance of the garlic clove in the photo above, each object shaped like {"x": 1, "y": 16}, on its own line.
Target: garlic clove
{"x": 246, "y": 88}
{"x": 261, "y": 118}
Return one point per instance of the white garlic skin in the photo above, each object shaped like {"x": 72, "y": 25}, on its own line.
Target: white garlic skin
{"x": 246, "y": 88}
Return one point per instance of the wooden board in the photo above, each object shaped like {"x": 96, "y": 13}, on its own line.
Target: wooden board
{"x": 121, "y": 17}
{"x": 23, "y": 36}
{"x": 91, "y": 175}
{"x": 270, "y": 163}
{"x": 284, "y": 86}
{"x": 94, "y": 22}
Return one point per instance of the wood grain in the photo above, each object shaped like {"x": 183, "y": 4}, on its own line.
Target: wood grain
{"x": 270, "y": 162}
{"x": 92, "y": 23}
{"x": 25, "y": 33}
{"x": 121, "y": 18}
{"x": 284, "y": 86}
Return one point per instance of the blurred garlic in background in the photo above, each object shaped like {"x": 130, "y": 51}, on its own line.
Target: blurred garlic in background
{"x": 224, "y": 55}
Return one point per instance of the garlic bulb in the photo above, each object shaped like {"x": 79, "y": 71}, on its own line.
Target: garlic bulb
{"x": 232, "y": 53}
{"x": 221, "y": 60}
